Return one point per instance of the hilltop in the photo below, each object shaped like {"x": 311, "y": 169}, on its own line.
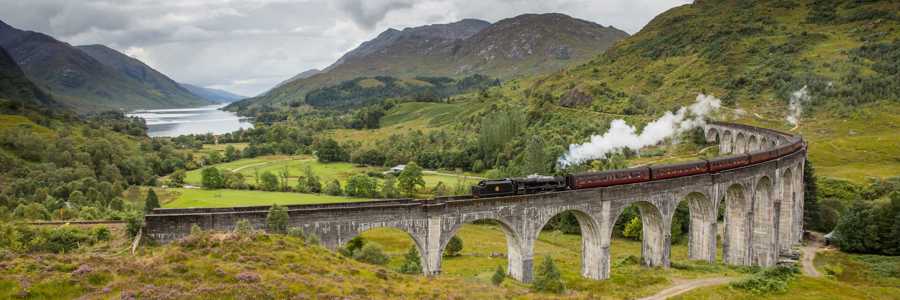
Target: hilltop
{"x": 520, "y": 46}
{"x": 91, "y": 78}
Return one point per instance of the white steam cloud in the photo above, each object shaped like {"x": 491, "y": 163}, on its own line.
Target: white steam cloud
{"x": 795, "y": 107}
{"x": 622, "y": 135}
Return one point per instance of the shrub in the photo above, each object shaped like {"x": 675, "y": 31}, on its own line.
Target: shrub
{"x": 101, "y": 233}
{"x": 297, "y": 232}
{"x": 243, "y": 227}
{"x": 354, "y": 245}
{"x": 412, "y": 263}
{"x": 334, "y": 188}
{"x": 151, "y": 202}
{"x": 547, "y": 278}
{"x": 312, "y": 239}
{"x": 371, "y": 253}
{"x": 499, "y": 276}
{"x": 277, "y": 219}
{"x": 133, "y": 224}
{"x": 633, "y": 229}
{"x": 454, "y": 246}
{"x": 770, "y": 280}
{"x": 63, "y": 239}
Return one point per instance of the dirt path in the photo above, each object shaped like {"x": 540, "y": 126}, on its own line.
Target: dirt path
{"x": 686, "y": 286}
{"x": 809, "y": 255}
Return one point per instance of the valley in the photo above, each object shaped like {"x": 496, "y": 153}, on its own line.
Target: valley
{"x": 354, "y": 179}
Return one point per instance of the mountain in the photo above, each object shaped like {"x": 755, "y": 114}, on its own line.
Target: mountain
{"x": 91, "y": 78}
{"x": 302, "y": 75}
{"x": 524, "y": 45}
{"x": 14, "y": 86}
{"x": 212, "y": 95}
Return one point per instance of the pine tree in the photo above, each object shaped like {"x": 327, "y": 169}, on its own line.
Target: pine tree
{"x": 812, "y": 217}
{"x": 412, "y": 264}
{"x": 454, "y": 246}
{"x": 548, "y": 278}
{"x": 151, "y": 202}
{"x": 277, "y": 219}
{"x": 499, "y": 276}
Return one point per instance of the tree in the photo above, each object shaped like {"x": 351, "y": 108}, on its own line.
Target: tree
{"x": 440, "y": 189}
{"x": 328, "y": 150}
{"x": 151, "y": 202}
{"x": 232, "y": 154}
{"x": 548, "y": 278}
{"x": 410, "y": 179}
{"x": 212, "y": 178}
{"x": 536, "y": 159}
{"x": 310, "y": 183}
{"x": 269, "y": 181}
{"x": 454, "y": 246}
{"x": 633, "y": 229}
{"x": 412, "y": 263}
{"x": 334, "y": 188}
{"x": 812, "y": 217}
{"x": 389, "y": 189}
{"x": 499, "y": 276}
{"x": 277, "y": 219}
{"x": 213, "y": 158}
{"x": 568, "y": 223}
{"x": 178, "y": 176}
{"x": 361, "y": 185}
{"x": 285, "y": 174}
{"x": 354, "y": 245}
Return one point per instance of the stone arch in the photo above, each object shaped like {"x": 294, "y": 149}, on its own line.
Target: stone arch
{"x": 727, "y": 142}
{"x": 740, "y": 143}
{"x": 737, "y": 225}
{"x": 764, "y": 227}
{"x": 712, "y": 135}
{"x": 594, "y": 263}
{"x": 701, "y": 234}
{"x": 656, "y": 237}
{"x": 752, "y": 144}
{"x": 764, "y": 142}
{"x": 519, "y": 256}
{"x": 785, "y": 211}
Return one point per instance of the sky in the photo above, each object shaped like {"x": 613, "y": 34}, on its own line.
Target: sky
{"x": 249, "y": 46}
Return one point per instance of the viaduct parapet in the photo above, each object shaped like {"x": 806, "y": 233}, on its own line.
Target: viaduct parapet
{"x": 762, "y": 202}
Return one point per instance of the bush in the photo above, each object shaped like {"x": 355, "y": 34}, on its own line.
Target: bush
{"x": 353, "y": 246}
{"x": 371, "y": 253}
{"x": 547, "y": 278}
{"x": 633, "y": 229}
{"x": 334, "y": 188}
{"x": 151, "y": 202}
{"x": 770, "y": 280}
{"x": 101, "y": 233}
{"x": 61, "y": 239}
{"x": 454, "y": 246}
{"x": 499, "y": 276}
{"x": 412, "y": 263}
{"x": 243, "y": 227}
{"x": 277, "y": 219}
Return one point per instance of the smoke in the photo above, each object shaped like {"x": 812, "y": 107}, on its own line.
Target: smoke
{"x": 621, "y": 135}
{"x": 795, "y": 109}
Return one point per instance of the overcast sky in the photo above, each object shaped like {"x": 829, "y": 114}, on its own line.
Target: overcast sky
{"x": 248, "y": 46}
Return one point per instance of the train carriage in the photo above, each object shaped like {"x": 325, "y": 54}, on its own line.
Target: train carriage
{"x": 608, "y": 178}
{"x": 678, "y": 169}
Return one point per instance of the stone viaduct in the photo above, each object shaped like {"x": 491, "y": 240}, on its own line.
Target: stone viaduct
{"x": 762, "y": 204}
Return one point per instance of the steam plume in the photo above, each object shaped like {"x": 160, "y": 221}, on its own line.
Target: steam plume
{"x": 622, "y": 135}
{"x": 795, "y": 107}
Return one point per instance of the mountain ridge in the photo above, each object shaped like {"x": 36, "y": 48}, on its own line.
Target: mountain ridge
{"x": 212, "y": 95}
{"x": 84, "y": 83}
{"x": 459, "y": 49}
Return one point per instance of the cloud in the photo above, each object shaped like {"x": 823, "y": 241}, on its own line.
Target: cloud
{"x": 249, "y": 46}
{"x": 367, "y": 13}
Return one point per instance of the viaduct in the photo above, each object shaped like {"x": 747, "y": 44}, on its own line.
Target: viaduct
{"x": 762, "y": 203}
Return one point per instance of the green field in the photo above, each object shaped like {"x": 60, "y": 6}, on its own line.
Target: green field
{"x": 296, "y": 166}
{"x": 182, "y": 198}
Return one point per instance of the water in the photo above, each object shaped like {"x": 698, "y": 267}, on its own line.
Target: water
{"x": 200, "y": 120}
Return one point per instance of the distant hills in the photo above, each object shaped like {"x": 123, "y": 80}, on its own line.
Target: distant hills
{"x": 92, "y": 78}
{"x": 519, "y": 46}
{"x": 212, "y": 95}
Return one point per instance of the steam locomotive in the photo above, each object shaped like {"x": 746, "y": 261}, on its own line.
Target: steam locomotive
{"x": 540, "y": 184}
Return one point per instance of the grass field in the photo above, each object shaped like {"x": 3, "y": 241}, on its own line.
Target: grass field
{"x": 847, "y": 276}
{"x": 326, "y": 171}
{"x": 628, "y": 280}
{"x": 182, "y": 198}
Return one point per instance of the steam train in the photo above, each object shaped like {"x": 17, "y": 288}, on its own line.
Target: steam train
{"x": 540, "y": 184}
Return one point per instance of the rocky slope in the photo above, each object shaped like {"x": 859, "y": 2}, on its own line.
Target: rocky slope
{"x": 78, "y": 79}
{"x": 520, "y": 46}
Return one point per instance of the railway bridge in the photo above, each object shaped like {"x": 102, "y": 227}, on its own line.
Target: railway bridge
{"x": 762, "y": 203}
